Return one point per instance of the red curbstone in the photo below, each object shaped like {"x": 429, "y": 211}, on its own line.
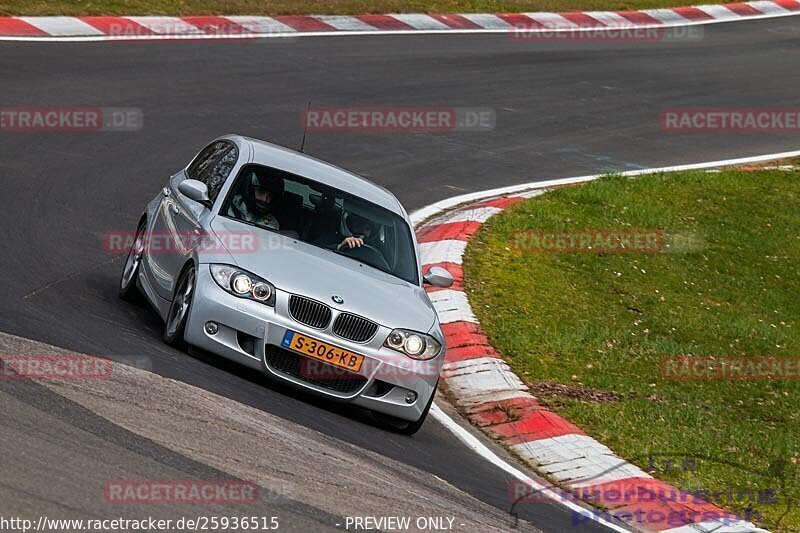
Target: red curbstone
{"x": 301, "y": 23}
{"x": 583, "y": 20}
{"x": 384, "y": 22}
{"x": 743, "y": 9}
{"x": 692, "y": 13}
{"x": 518, "y": 20}
{"x": 117, "y": 26}
{"x": 474, "y": 351}
{"x": 459, "y": 334}
{"x": 460, "y": 231}
{"x": 637, "y": 17}
{"x": 16, "y": 27}
{"x": 534, "y": 424}
{"x": 457, "y": 22}
{"x": 791, "y": 5}
{"x": 213, "y": 25}
{"x": 501, "y": 203}
{"x": 651, "y": 504}
{"x": 520, "y": 403}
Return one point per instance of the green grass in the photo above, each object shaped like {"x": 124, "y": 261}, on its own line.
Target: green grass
{"x": 294, "y": 7}
{"x": 599, "y": 324}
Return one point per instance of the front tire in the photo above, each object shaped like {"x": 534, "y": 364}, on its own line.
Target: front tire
{"x": 128, "y": 290}
{"x": 178, "y": 313}
{"x": 405, "y": 427}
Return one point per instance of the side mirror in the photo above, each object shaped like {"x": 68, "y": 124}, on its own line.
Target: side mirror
{"x": 437, "y": 277}
{"x": 196, "y": 190}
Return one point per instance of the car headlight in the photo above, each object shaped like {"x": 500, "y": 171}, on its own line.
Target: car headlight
{"x": 413, "y": 344}
{"x": 243, "y": 284}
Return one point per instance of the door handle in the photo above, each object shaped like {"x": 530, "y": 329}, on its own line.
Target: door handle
{"x": 166, "y": 191}
{"x": 175, "y": 209}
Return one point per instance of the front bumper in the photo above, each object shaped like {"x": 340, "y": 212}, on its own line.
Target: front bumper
{"x": 251, "y": 333}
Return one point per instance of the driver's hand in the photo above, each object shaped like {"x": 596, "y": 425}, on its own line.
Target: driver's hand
{"x": 351, "y": 242}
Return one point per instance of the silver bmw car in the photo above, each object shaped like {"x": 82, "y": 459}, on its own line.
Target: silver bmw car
{"x": 295, "y": 267}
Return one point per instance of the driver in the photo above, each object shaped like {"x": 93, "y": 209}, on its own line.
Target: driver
{"x": 362, "y": 232}
{"x": 258, "y": 201}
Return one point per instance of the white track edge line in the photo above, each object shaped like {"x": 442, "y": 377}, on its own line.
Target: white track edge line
{"x": 345, "y": 33}
{"x": 431, "y": 210}
{"x": 465, "y": 436}
{"x": 478, "y": 447}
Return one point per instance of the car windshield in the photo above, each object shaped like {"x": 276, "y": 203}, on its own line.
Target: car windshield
{"x": 323, "y": 216}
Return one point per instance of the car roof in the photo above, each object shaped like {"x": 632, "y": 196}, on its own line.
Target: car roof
{"x": 275, "y": 156}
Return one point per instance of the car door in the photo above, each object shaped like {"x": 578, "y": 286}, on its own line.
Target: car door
{"x": 176, "y": 230}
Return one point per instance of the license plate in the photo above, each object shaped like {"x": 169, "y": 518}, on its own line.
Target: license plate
{"x": 322, "y": 351}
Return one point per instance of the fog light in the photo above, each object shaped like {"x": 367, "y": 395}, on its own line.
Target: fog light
{"x": 212, "y": 328}
{"x": 411, "y": 397}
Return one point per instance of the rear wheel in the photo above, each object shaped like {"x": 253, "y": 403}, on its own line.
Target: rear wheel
{"x": 127, "y": 284}
{"x": 179, "y": 308}
{"x": 404, "y": 427}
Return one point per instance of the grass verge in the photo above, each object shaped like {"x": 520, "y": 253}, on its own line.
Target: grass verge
{"x": 589, "y": 331}
{"x": 314, "y": 7}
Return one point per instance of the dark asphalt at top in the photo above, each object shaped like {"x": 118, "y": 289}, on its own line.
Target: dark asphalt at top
{"x": 563, "y": 109}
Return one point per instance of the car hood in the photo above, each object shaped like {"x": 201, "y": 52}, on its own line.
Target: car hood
{"x": 300, "y": 268}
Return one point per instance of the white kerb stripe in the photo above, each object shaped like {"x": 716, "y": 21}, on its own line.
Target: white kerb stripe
{"x": 447, "y": 251}
{"x": 471, "y": 366}
{"x": 167, "y": 25}
{"x": 768, "y": 8}
{"x": 487, "y": 22}
{"x": 584, "y": 468}
{"x": 62, "y": 26}
{"x": 453, "y": 368}
{"x": 261, "y": 24}
{"x": 478, "y": 384}
{"x": 562, "y": 448}
{"x": 552, "y": 20}
{"x": 598, "y": 473}
{"x": 577, "y": 460}
{"x": 718, "y": 12}
{"x": 728, "y": 526}
{"x": 452, "y": 306}
{"x": 343, "y": 22}
{"x": 547, "y": 491}
{"x": 531, "y": 194}
{"x": 667, "y": 16}
{"x": 421, "y": 22}
{"x": 479, "y": 214}
{"x": 610, "y": 18}
{"x": 475, "y": 402}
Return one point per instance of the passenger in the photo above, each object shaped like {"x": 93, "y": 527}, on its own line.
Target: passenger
{"x": 258, "y": 202}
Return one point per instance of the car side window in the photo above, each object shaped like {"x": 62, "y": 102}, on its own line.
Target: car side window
{"x": 213, "y": 166}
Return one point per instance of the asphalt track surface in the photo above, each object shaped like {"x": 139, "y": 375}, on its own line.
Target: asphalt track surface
{"x": 563, "y": 109}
